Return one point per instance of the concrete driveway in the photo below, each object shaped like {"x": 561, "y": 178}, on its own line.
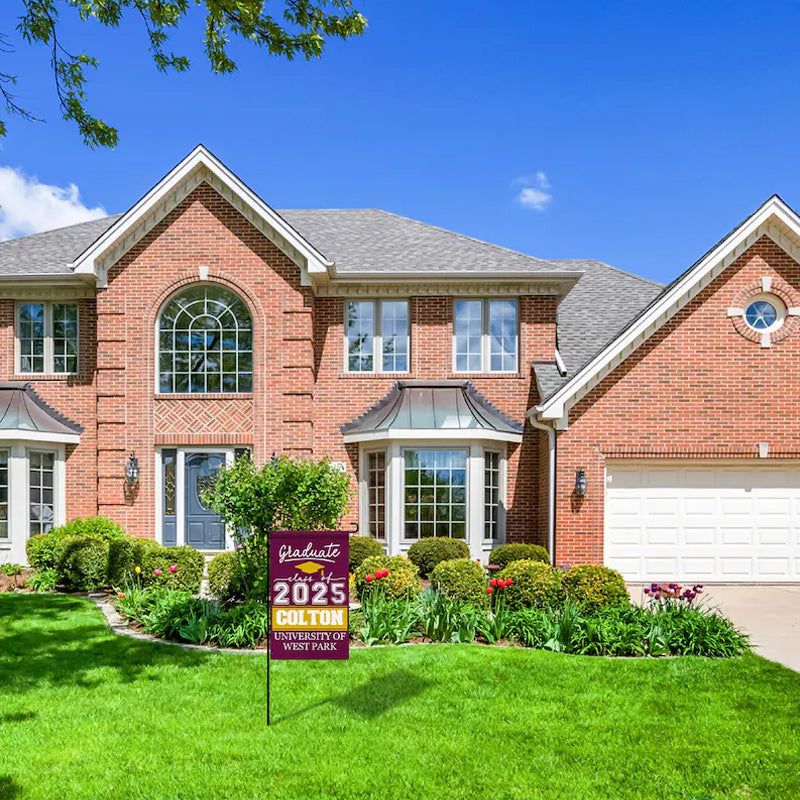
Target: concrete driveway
{"x": 770, "y": 613}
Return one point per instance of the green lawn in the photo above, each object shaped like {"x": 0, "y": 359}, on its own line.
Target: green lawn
{"x": 89, "y": 715}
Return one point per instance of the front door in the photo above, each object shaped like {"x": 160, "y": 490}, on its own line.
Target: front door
{"x": 204, "y": 529}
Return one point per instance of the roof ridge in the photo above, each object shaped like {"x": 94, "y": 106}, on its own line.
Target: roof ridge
{"x": 610, "y": 266}
{"x": 466, "y": 236}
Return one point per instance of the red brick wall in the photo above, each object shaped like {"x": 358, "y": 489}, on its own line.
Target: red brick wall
{"x": 696, "y": 389}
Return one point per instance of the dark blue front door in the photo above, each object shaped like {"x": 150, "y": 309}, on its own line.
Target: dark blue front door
{"x": 204, "y": 528}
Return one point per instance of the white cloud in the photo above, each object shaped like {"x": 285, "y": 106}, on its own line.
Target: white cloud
{"x": 534, "y": 191}
{"x": 28, "y": 206}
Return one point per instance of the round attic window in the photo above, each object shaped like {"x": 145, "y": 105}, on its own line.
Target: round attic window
{"x": 765, "y": 313}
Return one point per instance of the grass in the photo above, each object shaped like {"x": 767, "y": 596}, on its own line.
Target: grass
{"x": 88, "y": 715}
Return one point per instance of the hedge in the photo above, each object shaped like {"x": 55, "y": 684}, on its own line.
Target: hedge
{"x": 533, "y": 585}
{"x": 432, "y": 550}
{"x": 503, "y": 555}
{"x": 82, "y": 562}
{"x": 402, "y": 581}
{"x": 156, "y": 558}
{"x": 595, "y": 586}
{"x": 362, "y": 547}
{"x": 461, "y": 580}
{"x": 225, "y": 577}
{"x": 42, "y": 549}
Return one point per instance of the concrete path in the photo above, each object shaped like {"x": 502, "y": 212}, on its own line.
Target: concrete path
{"x": 770, "y": 613}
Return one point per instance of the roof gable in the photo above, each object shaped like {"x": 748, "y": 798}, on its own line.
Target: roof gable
{"x": 774, "y": 219}
{"x": 200, "y": 166}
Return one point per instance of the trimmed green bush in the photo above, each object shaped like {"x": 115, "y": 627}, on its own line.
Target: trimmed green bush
{"x": 595, "y": 586}
{"x": 98, "y": 527}
{"x": 533, "y": 585}
{"x": 461, "y": 580}
{"x": 403, "y": 579}
{"x": 42, "y": 549}
{"x": 120, "y": 561}
{"x": 362, "y": 547}
{"x": 156, "y": 558}
{"x": 506, "y": 553}
{"x": 432, "y": 550}
{"x": 82, "y": 562}
{"x": 225, "y": 577}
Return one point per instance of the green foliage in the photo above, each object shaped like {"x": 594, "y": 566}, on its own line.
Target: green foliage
{"x": 82, "y": 562}
{"x": 225, "y": 577}
{"x": 11, "y": 569}
{"x": 188, "y": 562}
{"x": 426, "y": 553}
{"x": 444, "y": 620}
{"x": 383, "y": 621}
{"x": 175, "y": 614}
{"x": 301, "y": 28}
{"x": 362, "y": 547}
{"x": 98, "y": 527}
{"x": 120, "y": 561}
{"x": 534, "y": 585}
{"x": 504, "y": 554}
{"x": 402, "y": 581}
{"x": 282, "y": 495}
{"x": 43, "y": 580}
{"x": 42, "y": 549}
{"x": 595, "y": 586}
{"x": 461, "y": 580}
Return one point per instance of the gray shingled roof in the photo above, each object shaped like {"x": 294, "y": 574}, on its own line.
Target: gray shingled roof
{"x": 358, "y": 240}
{"x": 600, "y": 305}
{"x": 432, "y": 405}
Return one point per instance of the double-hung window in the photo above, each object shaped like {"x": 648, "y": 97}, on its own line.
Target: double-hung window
{"x": 47, "y": 336}
{"x": 376, "y": 334}
{"x": 485, "y": 335}
{"x": 41, "y": 487}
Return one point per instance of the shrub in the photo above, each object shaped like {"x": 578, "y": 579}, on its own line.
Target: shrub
{"x": 432, "y": 550}
{"x": 225, "y": 577}
{"x": 506, "y": 553}
{"x": 43, "y": 580}
{"x": 157, "y": 560}
{"x": 403, "y": 578}
{"x": 82, "y": 562}
{"x": 98, "y": 527}
{"x": 362, "y": 547}
{"x": 461, "y": 580}
{"x": 534, "y": 585}
{"x": 595, "y": 586}
{"x": 120, "y": 561}
{"x": 42, "y": 549}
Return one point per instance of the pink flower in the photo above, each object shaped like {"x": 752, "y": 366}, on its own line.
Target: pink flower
{"x": 489, "y": 590}
{"x": 156, "y": 572}
{"x": 173, "y": 568}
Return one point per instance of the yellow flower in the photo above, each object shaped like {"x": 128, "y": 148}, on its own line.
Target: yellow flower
{"x": 138, "y": 570}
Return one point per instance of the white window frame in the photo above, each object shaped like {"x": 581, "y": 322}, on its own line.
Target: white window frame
{"x": 180, "y": 490}
{"x": 502, "y": 493}
{"x": 486, "y": 358}
{"x": 49, "y": 350}
{"x": 395, "y": 541}
{"x": 377, "y": 336}
{"x": 364, "y": 500}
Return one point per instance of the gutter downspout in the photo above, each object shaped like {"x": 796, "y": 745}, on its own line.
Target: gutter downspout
{"x": 551, "y": 485}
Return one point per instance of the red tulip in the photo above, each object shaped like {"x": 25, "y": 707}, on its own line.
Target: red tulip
{"x": 493, "y": 582}
{"x": 173, "y": 568}
{"x": 509, "y": 581}
{"x": 489, "y": 590}
{"x": 369, "y": 578}
{"x": 121, "y": 595}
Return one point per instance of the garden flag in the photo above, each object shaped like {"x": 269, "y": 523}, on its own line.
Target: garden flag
{"x": 309, "y": 594}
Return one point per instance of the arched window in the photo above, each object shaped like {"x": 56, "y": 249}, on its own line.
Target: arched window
{"x": 205, "y": 342}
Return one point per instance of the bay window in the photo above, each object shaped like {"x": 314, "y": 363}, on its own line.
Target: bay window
{"x": 47, "y": 338}
{"x": 435, "y": 493}
{"x": 485, "y": 335}
{"x": 4, "y": 494}
{"x": 41, "y": 488}
{"x": 491, "y": 496}
{"x": 376, "y": 334}
{"x": 376, "y": 494}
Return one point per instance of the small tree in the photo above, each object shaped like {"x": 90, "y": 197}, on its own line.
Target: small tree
{"x": 282, "y": 495}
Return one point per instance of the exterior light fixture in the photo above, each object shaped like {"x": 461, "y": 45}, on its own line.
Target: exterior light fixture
{"x": 580, "y": 482}
{"x": 132, "y": 469}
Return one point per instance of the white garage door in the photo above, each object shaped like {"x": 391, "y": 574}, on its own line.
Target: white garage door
{"x": 703, "y": 523}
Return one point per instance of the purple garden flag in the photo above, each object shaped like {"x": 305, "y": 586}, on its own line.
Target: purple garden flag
{"x": 309, "y": 594}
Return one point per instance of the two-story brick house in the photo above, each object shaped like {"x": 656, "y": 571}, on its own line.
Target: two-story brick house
{"x": 469, "y": 390}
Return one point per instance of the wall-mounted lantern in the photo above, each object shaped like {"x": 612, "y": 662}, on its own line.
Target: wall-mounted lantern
{"x": 580, "y": 482}
{"x": 132, "y": 469}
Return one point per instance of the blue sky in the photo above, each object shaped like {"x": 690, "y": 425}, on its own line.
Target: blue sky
{"x": 653, "y": 128}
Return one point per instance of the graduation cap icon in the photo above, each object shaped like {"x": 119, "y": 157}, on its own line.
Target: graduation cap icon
{"x": 310, "y": 567}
